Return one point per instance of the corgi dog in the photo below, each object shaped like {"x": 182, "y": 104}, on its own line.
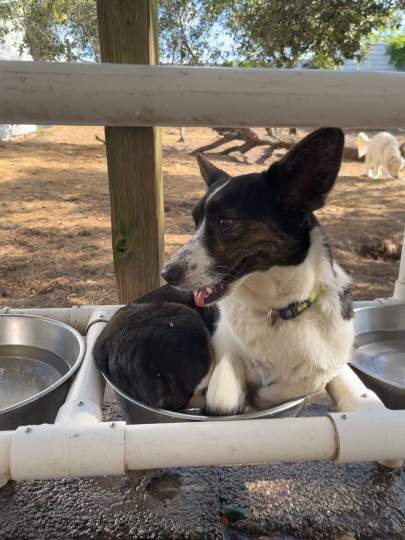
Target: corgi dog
{"x": 383, "y": 156}
{"x": 284, "y": 319}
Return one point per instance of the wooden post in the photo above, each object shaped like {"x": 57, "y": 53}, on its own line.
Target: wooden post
{"x": 128, "y": 34}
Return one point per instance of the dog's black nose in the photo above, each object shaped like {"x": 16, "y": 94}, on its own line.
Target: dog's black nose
{"x": 172, "y": 273}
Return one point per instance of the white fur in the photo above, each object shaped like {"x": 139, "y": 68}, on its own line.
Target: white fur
{"x": 291, "y": 358}
{"x": 383, "y": 157}
{"x": 194, "y": 257}
{"x": 196, "y": 260}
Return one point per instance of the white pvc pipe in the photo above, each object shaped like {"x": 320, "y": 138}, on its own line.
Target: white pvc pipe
{"x": 224, "y": 443}
{"x": 350, "y": 394}
{"x": 374, "y": 435}
{"x": 131, "y": 95}
{"x": 85, "y": 398}
{"x": 112, "y": 448}
{"x": 66, "y": 449}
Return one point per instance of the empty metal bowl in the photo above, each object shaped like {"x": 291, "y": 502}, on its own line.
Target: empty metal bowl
{"x": 38, "y": 358}
{"x": 135, "y": 412}
{"x": 379, "y": 351}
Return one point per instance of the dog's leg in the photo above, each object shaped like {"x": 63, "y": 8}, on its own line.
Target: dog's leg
{"x": 381, "y": 172}
{"x": 227, "y": 387}
{"x": 374, "y": 172}
{"x": 274, "y": 394}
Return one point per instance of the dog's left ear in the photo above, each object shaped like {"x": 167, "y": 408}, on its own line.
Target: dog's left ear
{"x": 209, "y": 172}
{"x": 306, "y": 174}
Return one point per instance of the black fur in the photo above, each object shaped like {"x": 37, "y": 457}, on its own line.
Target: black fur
{"x": 157, "y": 353}
{"x": 167, "y": 293}
{"x": 346, "y": 303}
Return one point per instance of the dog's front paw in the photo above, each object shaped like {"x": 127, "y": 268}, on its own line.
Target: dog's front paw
{"x": 226, "y": 390}
{"x": 219, "y": 410}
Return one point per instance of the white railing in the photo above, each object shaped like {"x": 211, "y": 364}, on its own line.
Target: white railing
{"x": 129, "y": 95}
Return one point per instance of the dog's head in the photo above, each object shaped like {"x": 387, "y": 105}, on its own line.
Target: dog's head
{"x": 250, "y": 223}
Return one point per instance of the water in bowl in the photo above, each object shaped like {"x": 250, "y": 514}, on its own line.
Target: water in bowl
{"x": 382, "y": 354}
{"x": 26, "y": 371}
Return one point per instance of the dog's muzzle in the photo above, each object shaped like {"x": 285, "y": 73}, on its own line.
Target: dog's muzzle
{"x": 173, "y": 273}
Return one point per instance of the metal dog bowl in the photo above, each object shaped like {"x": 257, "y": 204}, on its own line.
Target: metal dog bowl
{"x": 135, "y": 412}
{"x": 38, "y": 357}
{"x": 379, "y": 355}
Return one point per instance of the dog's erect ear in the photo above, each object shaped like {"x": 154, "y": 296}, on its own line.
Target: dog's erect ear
{"x": 305, "y": 175}
{"x": 209, "y": 172}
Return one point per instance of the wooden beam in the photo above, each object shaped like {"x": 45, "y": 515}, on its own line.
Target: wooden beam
{"x": 113, "y": 94}
{"x": 128, "y": 34}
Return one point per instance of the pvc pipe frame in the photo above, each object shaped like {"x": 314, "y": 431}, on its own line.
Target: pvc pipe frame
{"x": 79, "y": 444}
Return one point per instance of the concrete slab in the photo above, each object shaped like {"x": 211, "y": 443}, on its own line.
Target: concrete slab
{"x": 300, "y": 501}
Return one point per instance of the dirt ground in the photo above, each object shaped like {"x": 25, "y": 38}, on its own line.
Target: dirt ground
{"x": 55, "y": 247}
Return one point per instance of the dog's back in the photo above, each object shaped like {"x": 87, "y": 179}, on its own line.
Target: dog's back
{"x": 159, "y": 353}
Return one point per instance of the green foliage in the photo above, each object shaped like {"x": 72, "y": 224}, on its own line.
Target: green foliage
{"x": 187, "y": 32}
{"x": 277, "y": 33}
{"x": 282, "y": 33}
{"x": 53, "y": 29}
{"x": 396, "y": 50}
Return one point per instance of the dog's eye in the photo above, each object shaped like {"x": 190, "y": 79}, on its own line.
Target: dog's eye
{"x": 224, "y": 224}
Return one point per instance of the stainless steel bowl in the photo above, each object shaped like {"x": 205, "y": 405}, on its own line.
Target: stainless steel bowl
{"x": 379, "y": 351}
{"x": 38, "y": 358}
{"x": 135, "y": 412}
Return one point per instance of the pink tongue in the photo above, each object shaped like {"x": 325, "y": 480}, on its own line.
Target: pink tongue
{"x": 199, "y": 297}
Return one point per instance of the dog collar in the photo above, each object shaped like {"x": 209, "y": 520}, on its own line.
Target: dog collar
{"x": 294, "y": 309}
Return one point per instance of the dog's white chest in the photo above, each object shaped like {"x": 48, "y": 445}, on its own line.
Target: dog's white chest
{"x": 249, "y": 336}
{"x": 290, "y": 350}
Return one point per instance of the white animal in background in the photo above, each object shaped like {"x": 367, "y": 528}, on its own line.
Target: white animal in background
{"x": 383, "y": 157}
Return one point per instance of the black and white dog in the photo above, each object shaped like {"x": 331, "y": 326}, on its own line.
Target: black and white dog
{"x": 283, "y": 316}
